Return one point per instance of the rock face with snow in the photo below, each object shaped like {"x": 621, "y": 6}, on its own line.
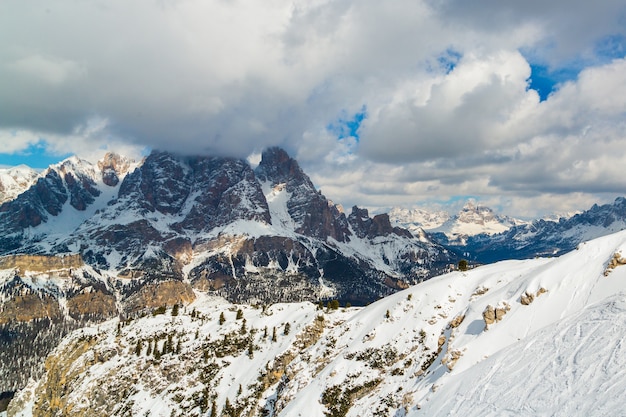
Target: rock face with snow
{"x": 14, "y": 181}
{"x": 218, "y": 224}
{"x": 420, "y": 352}
{"x": 473, "y": 219}
{"x": 147, "y": 234}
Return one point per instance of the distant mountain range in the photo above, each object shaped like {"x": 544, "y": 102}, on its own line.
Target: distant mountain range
{"x": 479, "y": 234}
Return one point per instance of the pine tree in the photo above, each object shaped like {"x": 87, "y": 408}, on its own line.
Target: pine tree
{"x": 274, "y": 334}
{"x": 228, "y": 409}
{"x": 287, "y": 328}
{"x": 138, "y": 348}
{"x": 213, "y": 410}
{"x": 250, "y": 349}
{"x": 463, "y": 265}
{"x": 265, "y": 332}
{"x": 239, "y": 314}
{"x": 222, "y": 318}
{"x": 178, "y": 346}
{"x": 149, "y": 352}
{"x": 175, "y": 310}
{"x": 243, "y": 329}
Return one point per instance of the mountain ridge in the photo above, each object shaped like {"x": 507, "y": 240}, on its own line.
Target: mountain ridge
{"x": 464, "y": 342}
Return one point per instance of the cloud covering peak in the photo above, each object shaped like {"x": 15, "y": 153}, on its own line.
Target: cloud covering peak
{"x": 442, "y": 90}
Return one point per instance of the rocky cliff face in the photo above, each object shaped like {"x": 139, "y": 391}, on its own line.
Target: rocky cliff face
{"x": 311, "y": 212}
{"x": 219, "y": 224}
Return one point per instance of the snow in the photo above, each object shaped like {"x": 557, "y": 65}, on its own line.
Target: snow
{"x": 574, "y": 367}
{"x": 277, "y": 198}
{"x": 573, "y": 283}
{"x": 561, "y": 355}
{"x": 15, "y": 180}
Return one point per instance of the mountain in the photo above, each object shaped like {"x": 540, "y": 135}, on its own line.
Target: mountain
{"x": 217, "y": 224}
{"x": 473, "y": 219}
{"x": 14, "y": 181}
{"x": 417, "y": 218}
{"x": 87, "y": 242}
{"x": 549, "y": 238}
{"x": 522, "y": 337}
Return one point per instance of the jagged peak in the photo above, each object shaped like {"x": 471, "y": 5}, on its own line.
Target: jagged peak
{"x": 277, "y": 166}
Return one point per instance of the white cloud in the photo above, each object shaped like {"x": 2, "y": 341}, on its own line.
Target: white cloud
{"x": 50, "y": 70}
{"x": 233, "y": 77}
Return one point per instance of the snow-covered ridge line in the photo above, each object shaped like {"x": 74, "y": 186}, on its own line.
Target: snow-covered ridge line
{"x": 501, "y": 338}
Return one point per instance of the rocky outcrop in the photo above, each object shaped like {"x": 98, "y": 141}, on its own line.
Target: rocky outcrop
{"x": 92, "y": 304}
{"x": 527, "y": 298}
{"x": 615, "y": 261}
{"x": 313, "y": 214}
{"x": 29, "y": 306}
{"x": 112, "y": 167}
{"x": 167, "y": 293}
{"x": 493, "y": 314}
{"x": 380, "y": 225}
{"x": 41, "y": 263}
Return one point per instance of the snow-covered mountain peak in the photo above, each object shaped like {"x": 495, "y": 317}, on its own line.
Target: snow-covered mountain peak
{"x": 15, "y": 180}
{"x": 472, "y": 219}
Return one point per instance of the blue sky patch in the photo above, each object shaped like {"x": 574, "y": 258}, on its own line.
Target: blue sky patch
{"x": 449, "y": 60}
{"x": 348, "y": 126}
{"x": 545, "y": 80}
{"x": 35, "y": 156}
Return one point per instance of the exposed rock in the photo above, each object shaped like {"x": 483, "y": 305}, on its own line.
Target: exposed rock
{"x": 456, "y": 322}
{"x": 40, "y": 263}
{"x": 61, "y": 372}
{"x": 493, "y": 314}
{"x": 29, "y": 306}
{"x": 380, "y": 225}
{"x": 313, "y": 214}
{"x": 112, "y": 167}
{"x": 616, "y": 261}
{"x": 95, "y": 304}
{"x": 527, "y": 298}
{"x": 160, "y": 294}
{"x": 541, "y": 291}
{"x": 441, "y": 341}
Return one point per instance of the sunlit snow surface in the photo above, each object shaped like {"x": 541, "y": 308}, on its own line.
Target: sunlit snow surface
{"x": 558, "y": 352}
{"x": 561, "y": 355}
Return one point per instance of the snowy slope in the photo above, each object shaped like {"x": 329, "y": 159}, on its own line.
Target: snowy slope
{"x": 416, "y": 372}
{"x": 425, "y": 351}
{"x": 575, "y": 367}
{"x": 14, "y": 181}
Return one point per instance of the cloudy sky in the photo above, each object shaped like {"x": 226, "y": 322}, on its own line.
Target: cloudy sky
{"x": 520, "y": 105}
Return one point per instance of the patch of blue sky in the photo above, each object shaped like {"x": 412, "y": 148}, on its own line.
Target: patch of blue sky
{"x": 35, "y": 156}
{"x": 546, "y": 80}
{"x": 449, "y": 60}
{"x": 346, "y": 125}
